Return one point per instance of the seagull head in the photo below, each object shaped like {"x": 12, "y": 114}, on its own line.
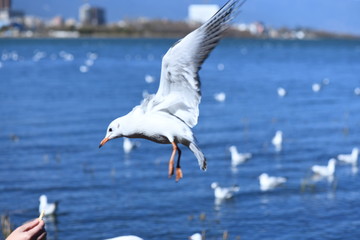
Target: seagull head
{"x": 263, "y": 177}
{"x": 114, "y": 130}
{"x": 214, "y": 185}
{"x": 332, "y": 163}
{"x": 232, "y": 149}
{"x": 43, "y": 199}
{"x": 355, "y": 151}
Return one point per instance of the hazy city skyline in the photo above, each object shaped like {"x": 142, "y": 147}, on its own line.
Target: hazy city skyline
{"x": 331, "y": 15}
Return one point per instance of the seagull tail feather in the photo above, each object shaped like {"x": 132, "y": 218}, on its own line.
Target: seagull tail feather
{"x": 199, "y": 155}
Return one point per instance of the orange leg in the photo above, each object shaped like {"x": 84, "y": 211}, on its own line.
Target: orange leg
{"x": 171, "y": 161}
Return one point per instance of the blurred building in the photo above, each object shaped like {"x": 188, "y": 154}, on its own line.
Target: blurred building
{"x": 32, "y": 22}
{"x": 5, "y": 4}
{"x": 257, "y": 28}
{"x": 201, "y": 12}
{"x": 91, "y": 15}
{"x": 70, "y": 22}
{"x": 57, "y": 21}
{"x": 9, "y": 16}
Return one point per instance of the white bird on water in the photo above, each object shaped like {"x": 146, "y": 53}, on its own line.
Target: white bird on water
{"x": 269, "y": 182}
{"x": 238, "y": 158}
{"x": 196, "y": 236}
{"x": 277, "y": 140}
{"x": 48, "y": 208}
{"x": 168, "y": 116}
{"x": 350, "y": 158}
{"x": 129, "y": 237}
{"x": 220, "y": 97}
{"x": 225, "y": 192}
{"x": 281, "y": 92}
{"x": 128, "y": 145}
{"x": 316, "y": 87}
{"x": 325, "y": 171}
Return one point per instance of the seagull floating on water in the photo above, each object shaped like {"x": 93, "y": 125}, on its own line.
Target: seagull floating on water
{"x": 316, "y": 87}
{"x": 220, "y": 97}
{"x": 225, "y": 192}
{"x": 281, "y": 92}
{"x": 128, "y": 145}
{"x": 129, "y": 237}
{"x": 325, "y": 171}
{"x": 269, "y": 182}
{"x": 350, "y": 158}
{"x": 48, "y": 208}
{"x": 196, "y": 236}
{"x": 168, "y": 116}
{"x": 277, "y": 141}
{"x": 238, "y": 158}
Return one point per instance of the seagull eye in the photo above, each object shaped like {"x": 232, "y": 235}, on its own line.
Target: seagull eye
{"x": 110, "y": 129}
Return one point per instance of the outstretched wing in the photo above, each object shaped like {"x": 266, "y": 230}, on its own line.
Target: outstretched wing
{"x": 179, "y": 90}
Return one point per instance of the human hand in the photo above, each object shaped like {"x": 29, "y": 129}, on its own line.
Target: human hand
{"x": 33, "y": 230}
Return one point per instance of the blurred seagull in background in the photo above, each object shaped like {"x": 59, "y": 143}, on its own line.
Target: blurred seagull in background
{"x": 220, "y": 97}
{"x": 129, "y": 237}
{"x": 128, "y": 145}
{"x": 277, "y": 141}
{"x": 238, "y": 158}
{"x": 224, "y": 193}
{"x": 48, "y": 208}
{"x": 316, "y": 87}
{"x": 196, "y": 236}
{"x": 350, "y": 158}
{"x": 168, "y": 116}
{"x": 281, "y": 92}
{"x": 325, "y": 171}
{"x": 269, "y": 182}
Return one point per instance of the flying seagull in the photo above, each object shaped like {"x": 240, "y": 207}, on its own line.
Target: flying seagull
{"x": 168, "y": 116}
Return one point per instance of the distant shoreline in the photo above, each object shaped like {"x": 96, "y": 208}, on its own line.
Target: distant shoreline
{"x": 95, "y": 36}
{"x": 168, "y": 29}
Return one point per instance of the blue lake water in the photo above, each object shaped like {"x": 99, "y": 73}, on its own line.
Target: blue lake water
{"x": 54, "y": 110}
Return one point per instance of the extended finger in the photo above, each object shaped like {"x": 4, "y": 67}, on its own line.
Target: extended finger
{"x": 33, "y": 231}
